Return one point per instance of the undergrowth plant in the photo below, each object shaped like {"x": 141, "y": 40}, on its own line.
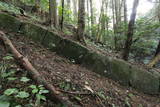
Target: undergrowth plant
{"x": 14, "y": 96}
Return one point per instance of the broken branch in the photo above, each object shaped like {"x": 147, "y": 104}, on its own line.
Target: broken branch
{"x": 54, "y": 93}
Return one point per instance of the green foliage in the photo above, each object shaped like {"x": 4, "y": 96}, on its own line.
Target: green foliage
{"x": 39, "y": 91}
{"x": 4, "y": 101}
{"x": 67, "y": 13}
{"x": 7, "y": 74}
{"x": 29, "y": 2}
{"x": 65, "y": 85}
{"x": 9, "y": 7}
{"x": 22, "y": 94}
{"x": 8, "y": 57}
{"x": 11, "y": 91}
{"x": 24, "y": 79}
{"x": 12, "y": 95}
{"x": 12, "y": 78}
{"x": 4, "y": 104}
{"x": 101, "y": 95}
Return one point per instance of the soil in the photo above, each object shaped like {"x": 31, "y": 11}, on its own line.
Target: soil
{"x": 13, "y": 81}
{"x": 83, "y": 87}
{"x": 92, "y": 46}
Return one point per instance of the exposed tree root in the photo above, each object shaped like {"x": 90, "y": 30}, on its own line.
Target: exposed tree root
{"x": 54, "y": 93}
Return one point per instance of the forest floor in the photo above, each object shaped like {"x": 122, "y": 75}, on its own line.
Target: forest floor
{"x": 82, "y": 86}
{"x": 91, "y": 45}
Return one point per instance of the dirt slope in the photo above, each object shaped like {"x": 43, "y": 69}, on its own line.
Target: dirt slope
{"x": 72, "y": 78}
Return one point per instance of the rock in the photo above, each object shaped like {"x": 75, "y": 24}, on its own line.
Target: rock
{"x": 116, "y": 69}
{"x": 9, "y": 22}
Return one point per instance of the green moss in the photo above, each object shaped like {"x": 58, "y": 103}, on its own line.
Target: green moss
{"x": 72, "y": 50}
{"x": 145, "y": 81}
{"x": 96, "y": 62}
{"x": 51, "y": 40}
{"x": 9, "y": 22}
{"x": 34, "y": 32}
{"x": 120, "y": 71}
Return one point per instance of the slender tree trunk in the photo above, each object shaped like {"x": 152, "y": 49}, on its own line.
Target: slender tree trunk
{"x": 81, "y": 21}
{"x": 107, "y": 22}
{"x": 62, "y": 19}
{"x": 158, "y": 11}
{"x": 128, "y": 42}
{"x": 125, "y": 16}
{"x": 125, "y": 12}
{"x": 75, "y": 8}
{"x": 92, "y": 17}
{"x": 53, "y": 13}
{"x": 69, "y": 7}
{"x": 88, "y": 13}
{"x": 101, "y": 24}
{"x": 114, "y": 23}
{"x": 69, "y": 4}
{"x": 37, "y": 5}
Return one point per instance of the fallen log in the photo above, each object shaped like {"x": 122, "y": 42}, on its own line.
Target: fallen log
{"x": 54, "y": 93}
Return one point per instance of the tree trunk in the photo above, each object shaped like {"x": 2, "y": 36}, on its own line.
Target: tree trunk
{"x": 101, "y": 24}
{"x": 37, "y": 6}
{"x": 88, "y": 14}
{"x": 68, "y": 7}
{"x": 107, "y": 21}
{"x": 125, "y": 12}
{"x": 128, "y": 42}
{"x": 75, "y": 8}
{"x": 158, "y": 12}
{"x": 62, "y": 19}
{"x": 69, "y": 4}
{"x": 92, "y": 17}
{"x": 81, "y": 21}
{"x": 53, "y": 13}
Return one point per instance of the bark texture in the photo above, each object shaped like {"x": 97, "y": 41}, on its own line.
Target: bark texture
{"x": 53, "y": 13}
{"x": 81, "y": 21}
{"x": 128, "y": 42}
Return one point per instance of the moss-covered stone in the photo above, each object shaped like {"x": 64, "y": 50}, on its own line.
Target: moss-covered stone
{"x": 120, "y": 71}
{"x": 52, "y": 40}
{"x": 9, "y": 22}
{"x": 72, "y": 50}
{"x": 34, "y": 32}
{"x": 95, "y": 62}
{"x": 123, "y": 72}
{"x": 145, "y": 81}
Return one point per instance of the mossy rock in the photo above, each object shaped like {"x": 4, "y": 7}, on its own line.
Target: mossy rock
{"x": 35, "y": 32}
{"x": 9, "y": 23}
{"x": 145, "y": 81}
{"x": 96, "y": 62}
{"x": 52, "y": 40}
{"x": 120, "y": 71}
{"x": 72, "y": 50}
{"x": 109, "y": 67}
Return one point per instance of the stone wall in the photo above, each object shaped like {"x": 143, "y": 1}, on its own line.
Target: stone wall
{"x": 116, "y": 69}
